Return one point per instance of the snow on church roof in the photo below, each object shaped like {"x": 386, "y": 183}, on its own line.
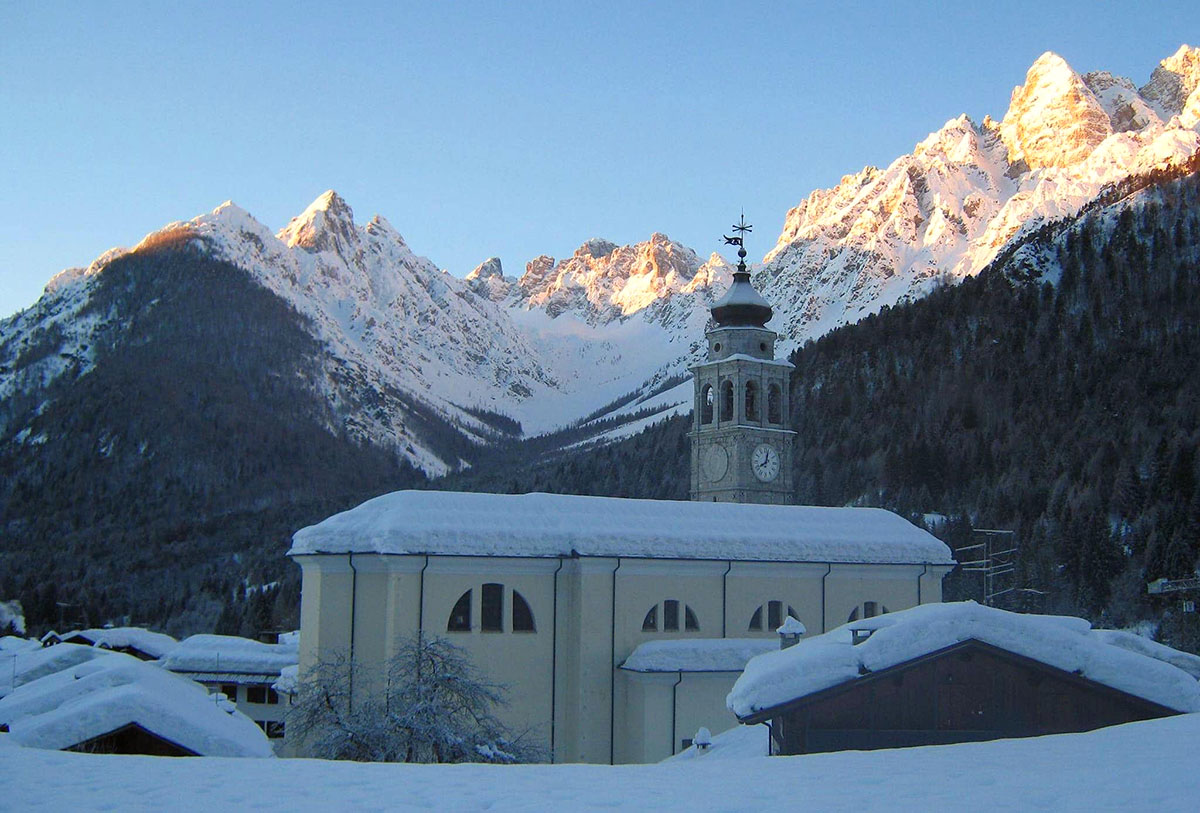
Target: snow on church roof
{"x": 112, "y": 691}
{"x": 551, "y": 525}
{"x": 1152, "y": 673}
{"x": 697, "y": 654}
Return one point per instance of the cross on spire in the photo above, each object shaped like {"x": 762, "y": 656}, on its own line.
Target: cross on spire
{"x": 741, "y": 227}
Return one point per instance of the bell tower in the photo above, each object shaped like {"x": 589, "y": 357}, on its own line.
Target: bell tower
{"x": 741, "y": 446}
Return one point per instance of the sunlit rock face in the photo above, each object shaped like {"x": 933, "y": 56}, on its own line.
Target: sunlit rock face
{"x": 602, "y": 281}
{"x": 1054, "y": 119}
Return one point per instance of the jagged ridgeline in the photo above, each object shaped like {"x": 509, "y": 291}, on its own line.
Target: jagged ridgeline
{"x": 174, "y": 471}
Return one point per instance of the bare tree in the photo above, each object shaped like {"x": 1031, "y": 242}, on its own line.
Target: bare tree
{"x": 434, "y": 706}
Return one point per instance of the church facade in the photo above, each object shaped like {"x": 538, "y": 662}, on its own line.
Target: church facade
{"x": 551, "y": 595}
{"x": 619, "y": 625}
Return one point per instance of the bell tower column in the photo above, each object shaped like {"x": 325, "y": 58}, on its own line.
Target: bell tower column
{"x": 741, "y": 447}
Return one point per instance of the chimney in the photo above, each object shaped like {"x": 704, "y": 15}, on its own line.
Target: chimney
{"x": 790, "y": 632}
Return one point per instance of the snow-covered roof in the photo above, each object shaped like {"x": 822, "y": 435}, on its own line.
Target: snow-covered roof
{"x": 154, "y": 644}
{"x": 1065, "y": 643}
{"x": 739, "y": 742}
{"x": 108, "y": 693}
{"x": 22, "y": 666}
{"x": 550, "y": 525}
{"x": 697, "y": 654}
{"x": 15, "y": 643}
{"x": 229, "y": 655}
{"x": 288, "y": 681}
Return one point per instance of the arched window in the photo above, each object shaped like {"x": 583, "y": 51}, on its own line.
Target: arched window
{"x": 670, "y": 617}
{"x": 727, "y": 400}
{"x": 706, "y": 404}
{"x": 774, "y": 615}
{"x": 491, "y": 611}
{"x": 460, "y": 616}
{"x": 751, "y": 401}
{"x": 522, "y": 616}
{"x": 774, "y": 404}
{"x": 868, "y": 609}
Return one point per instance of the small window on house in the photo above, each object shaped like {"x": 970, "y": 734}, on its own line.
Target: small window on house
{"x": 522, "y": 616}
{"x": 272, "y": 697}
{"x": 751, "y": 401}
{"x": 670, "y": 615}
{"x": 460, "y": 616}
{"x": 774, "y": 404}
{"x": 230, "y": 691}
{"x": 491, "y": 608}
{"x": 706, "y": 404}
{"x": 727, "y": 400}
{"x": 256, "y": 694}
{"x": 273, "y": 729}
{"x": 650, "y": 622}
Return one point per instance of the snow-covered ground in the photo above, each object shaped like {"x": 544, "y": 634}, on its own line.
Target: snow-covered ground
{"x": 1140, "y": 766}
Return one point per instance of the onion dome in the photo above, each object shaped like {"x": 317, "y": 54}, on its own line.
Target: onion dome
{"x": 742, "y": 306}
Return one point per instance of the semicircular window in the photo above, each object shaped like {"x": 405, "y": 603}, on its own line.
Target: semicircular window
{"x": 672, "y": 612}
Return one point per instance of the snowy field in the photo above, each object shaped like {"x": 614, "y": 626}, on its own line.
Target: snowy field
{"x": 1141, "y": 766}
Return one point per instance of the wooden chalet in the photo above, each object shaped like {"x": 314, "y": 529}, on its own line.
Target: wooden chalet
{"x": 959, "y": 673}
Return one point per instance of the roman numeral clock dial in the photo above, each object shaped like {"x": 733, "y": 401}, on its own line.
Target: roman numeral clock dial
{"x": 764, "y": 462}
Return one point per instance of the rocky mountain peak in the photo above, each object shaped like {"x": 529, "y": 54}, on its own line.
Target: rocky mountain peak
{"x": 491, "y": 267}
{"x": 326, "y": 225}
{"x": 1054, "y": 119}
{"x": 1175, "y": 79}
{"x": 596, "y": 248}
{"x": 1127, "y": 110}
{"x": 488, "y": 280}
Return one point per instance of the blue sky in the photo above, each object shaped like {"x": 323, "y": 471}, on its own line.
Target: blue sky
{"x": 510, "y": 129}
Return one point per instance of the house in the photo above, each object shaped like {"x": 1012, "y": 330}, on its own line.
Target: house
{"x": 76, "y": 698}
{"x": 136, "y": 641}
{"x": 550, "y": 594}
{"x": 955, "y": 673}
{"x": 242, "y": 670}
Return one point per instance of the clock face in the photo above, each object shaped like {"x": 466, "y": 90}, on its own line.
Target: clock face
{"x": 764, "y": 462}
{"x": 716, "y": 462}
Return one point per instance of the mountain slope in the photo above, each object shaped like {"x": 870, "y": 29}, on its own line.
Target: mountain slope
{"x": 154, "y": 483}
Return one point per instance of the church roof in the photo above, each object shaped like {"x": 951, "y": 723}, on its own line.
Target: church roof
{"x": 552, "y": 525}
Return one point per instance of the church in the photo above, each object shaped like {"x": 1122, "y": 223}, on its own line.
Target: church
{"x": 620, "y": 625}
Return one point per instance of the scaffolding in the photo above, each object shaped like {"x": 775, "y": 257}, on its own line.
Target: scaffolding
{"x": 1160, "y": 586}
{"x": 996, "y": 558}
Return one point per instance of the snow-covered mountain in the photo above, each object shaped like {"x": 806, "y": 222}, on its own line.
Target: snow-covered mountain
{"x": 619, "y": 324}
{"x": 945, "y": 210}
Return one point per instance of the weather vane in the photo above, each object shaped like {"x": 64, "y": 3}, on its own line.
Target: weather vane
{"x": 741, "y": 227}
